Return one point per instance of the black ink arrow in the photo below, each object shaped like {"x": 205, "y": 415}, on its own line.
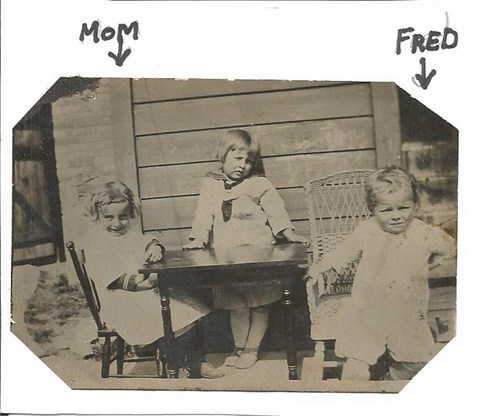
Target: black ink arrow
{"x": 423, "y": 79}
{"x": 120, "y": 57}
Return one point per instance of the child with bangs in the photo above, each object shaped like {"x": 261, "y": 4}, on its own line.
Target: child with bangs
{"x": 116, "y": 248}
{"x": 239, "y": 206}
{"x": 385, "y": 319}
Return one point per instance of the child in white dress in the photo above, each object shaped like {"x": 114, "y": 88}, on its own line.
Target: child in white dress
{"x": 115, "y": 249}
{"x": 386, "y": 315}
{"x": 238, "y": 206}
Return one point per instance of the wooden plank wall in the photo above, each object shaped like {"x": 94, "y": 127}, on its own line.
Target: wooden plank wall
{"x": 306, "y": 130}
{"x": 430, "y": 152}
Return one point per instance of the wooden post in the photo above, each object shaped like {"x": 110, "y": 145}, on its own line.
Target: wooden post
{"x": 123, "y": 133}
{"x": 106, "y": 357}
{"x": 167, "y": 343}
{"x": 288, "y": 306}
{"x": 120, "y": 355}
{"x": 387, "y": 123}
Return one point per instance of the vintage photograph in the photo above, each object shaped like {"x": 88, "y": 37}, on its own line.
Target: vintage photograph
{"x": 249, "y": 235}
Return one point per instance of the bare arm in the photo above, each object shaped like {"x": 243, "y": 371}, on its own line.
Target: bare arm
{"x": 203, "y": 219}
{"x": 345, "y": 252}
{"x": 291, "y": 236}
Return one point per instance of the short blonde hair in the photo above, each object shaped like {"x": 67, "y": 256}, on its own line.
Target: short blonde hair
{"x": 390, "y": 180}
{"x": 238, "y": 139}
{"x": 108, "y": 193}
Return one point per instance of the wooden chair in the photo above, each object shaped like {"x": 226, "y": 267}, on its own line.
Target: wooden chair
{"x": 110, "y": 336}
{"x": 336, "y": 204}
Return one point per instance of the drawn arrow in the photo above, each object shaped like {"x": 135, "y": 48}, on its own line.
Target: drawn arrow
{"x": 423, "y": 79}
{"x": 120, "y": 57}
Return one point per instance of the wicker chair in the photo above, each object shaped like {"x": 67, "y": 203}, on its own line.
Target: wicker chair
{"x": 336, "y": 204}
{"x": 110, "y": 352}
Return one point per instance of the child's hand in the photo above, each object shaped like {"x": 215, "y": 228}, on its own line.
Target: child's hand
{"x": 314, "y": 272}
{"x": 194, "y": 245}
{"x": 311, "y": 277}
{"x": 149, "y": 283}
{"x": 153, "y": 254}
{"x": 292, "y": 237}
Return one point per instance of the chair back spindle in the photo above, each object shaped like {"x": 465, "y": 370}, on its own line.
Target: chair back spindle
{"x": 87, "y": 284}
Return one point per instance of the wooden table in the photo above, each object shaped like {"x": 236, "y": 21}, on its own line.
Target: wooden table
{"x": 282, "y": 263}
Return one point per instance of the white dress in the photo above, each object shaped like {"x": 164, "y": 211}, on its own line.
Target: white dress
{"x": 390, "y": 294}
{"x": 258, "y": 214}
{"x": 136, "y": 316}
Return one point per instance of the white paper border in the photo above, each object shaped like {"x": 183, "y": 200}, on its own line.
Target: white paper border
{"x": 325, "y": 41}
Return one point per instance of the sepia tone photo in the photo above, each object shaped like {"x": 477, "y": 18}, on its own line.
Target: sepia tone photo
{"x": 250, "y": 235}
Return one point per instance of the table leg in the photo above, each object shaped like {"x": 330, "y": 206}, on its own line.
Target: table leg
{"x": 288, "y": 306}
{"x": 167, "y": 343}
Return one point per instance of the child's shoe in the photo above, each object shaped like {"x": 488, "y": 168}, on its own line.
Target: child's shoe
{"x": 230, "y": 361}
{"x": 207, "y": 370}
{"x": 247, "y": 359}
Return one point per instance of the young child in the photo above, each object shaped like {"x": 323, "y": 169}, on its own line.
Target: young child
{"x": 239, "y": 206}
{"x": 115, "y": 250}
{"x": 386, "y": 316}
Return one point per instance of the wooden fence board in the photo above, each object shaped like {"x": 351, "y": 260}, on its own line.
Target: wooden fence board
{"x": 31, "y": 184}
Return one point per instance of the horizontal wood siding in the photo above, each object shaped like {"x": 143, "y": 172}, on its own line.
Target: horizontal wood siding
{"x": 152, "y": 89}
{"x": 246, "y": 110}
{"x": 284, "y": 171}
{"x": 306, "y": 130}
{"x": 277, "y": 139}
{"x": 172, "y": 212}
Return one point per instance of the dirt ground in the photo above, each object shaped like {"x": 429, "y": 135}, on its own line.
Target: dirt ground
{"x": 269, "y": 374}
{"x": 51, "y": 317}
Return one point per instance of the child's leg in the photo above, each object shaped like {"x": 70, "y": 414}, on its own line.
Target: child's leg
{"x": 240, "y": 326}
{"x": 259, "y": 320}
{"x": 195, "y": 359}
{"x": 185, "y": 357}
{"x": 355, "y": 370}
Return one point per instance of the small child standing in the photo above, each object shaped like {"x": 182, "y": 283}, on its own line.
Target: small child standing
{"x": 386, "y": 315}
{"x": 238, "y": 206}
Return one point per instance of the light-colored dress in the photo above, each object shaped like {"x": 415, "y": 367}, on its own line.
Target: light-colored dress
{"x": 257, "y": 215}
{"x": 136, "y": 316}
{"x": 390, "y": 294}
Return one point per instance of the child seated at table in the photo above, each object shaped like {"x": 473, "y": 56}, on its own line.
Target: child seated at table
{"x": 115, "y": 250}
{"x": 385, "y": 319}
{"x": 239, "y": 206}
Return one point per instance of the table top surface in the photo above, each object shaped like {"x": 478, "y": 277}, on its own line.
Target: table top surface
{"x": 242, "y": 257}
